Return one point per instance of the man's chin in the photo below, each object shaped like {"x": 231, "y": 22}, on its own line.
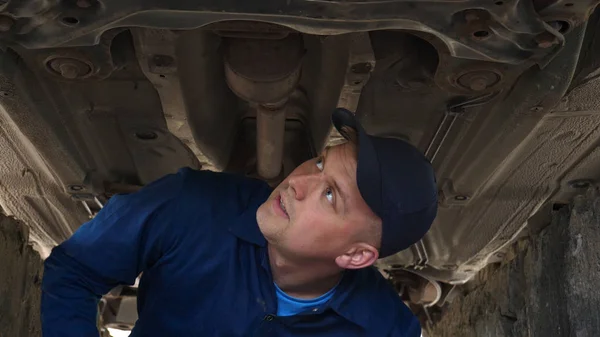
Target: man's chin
{"x": 272, "y": 227}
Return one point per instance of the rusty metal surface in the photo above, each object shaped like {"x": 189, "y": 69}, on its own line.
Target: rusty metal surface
{"x": 155, "y": 50}
{"x": 361, "y": 63}
{"x": 209, "y": 106}
{"x": 263, "y": 71}
{"x": 156, "y": 100}
{"x": 504, "y": 31}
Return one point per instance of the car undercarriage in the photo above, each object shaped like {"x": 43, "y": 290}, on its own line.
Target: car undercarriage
{"x": 101, "y": 98}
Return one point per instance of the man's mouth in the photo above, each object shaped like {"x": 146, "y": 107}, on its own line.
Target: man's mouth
{"x": 280, "y": 206}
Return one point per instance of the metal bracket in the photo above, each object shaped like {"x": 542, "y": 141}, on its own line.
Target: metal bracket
{"x": 90, "y": 202}
{"x": 361, "y": 62}
{"x": 450, "y": 115}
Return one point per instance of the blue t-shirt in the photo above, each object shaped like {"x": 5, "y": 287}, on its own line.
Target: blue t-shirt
{"x": 206, "y": 269}
{"x": 290, "y": 306}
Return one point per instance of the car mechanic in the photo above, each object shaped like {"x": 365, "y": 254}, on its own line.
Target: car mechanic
{"x": 225, "y": 255}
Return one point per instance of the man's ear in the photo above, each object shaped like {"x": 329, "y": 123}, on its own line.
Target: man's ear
{"x": 360, "y": 255}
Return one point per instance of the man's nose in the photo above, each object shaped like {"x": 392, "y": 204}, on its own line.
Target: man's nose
{"x": 301, "y": 185}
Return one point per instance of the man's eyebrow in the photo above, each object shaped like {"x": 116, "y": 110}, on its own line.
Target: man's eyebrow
{"x": 335, "y": 185}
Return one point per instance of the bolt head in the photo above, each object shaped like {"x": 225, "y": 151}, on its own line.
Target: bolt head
{"x": 478, "y": 80}
{"x": 478, "y": 84}
{"x": 69, "y": 70}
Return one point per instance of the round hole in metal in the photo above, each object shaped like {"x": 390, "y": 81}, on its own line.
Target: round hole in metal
{"x": 70, "y": 21}
{"x": 480, "y": 34}
{"x": 146, "y": 135}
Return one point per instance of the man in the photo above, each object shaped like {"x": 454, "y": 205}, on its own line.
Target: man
{"x": 223, "y": 255}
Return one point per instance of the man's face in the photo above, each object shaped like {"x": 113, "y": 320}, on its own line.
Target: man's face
{"x": 317, "y": 212}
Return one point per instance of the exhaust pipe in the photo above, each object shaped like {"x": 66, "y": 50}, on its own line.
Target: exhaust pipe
{"x": 270, "y": 131}
{"x": 265, "y": 72}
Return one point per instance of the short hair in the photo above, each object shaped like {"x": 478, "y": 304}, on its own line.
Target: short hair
{"x": 350, "y": 134}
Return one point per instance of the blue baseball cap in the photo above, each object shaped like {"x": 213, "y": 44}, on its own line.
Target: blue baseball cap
{"x": 397, "y": 182}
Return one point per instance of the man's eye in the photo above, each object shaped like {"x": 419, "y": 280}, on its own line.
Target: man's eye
{"x": 320, "y": 163}
{"x": 329, "y": 194}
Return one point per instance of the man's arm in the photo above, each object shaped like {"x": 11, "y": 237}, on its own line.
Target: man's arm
{"x": 127, "y": 237}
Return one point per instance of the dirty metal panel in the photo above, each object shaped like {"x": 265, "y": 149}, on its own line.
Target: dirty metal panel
{"x": 502, "y": 31}
{"x": 86, "y": 102}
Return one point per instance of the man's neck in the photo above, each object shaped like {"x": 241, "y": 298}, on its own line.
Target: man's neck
{"x": 302, "y": 279}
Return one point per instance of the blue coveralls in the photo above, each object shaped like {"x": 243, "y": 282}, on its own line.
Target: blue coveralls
{"x": 205, "y": 269}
